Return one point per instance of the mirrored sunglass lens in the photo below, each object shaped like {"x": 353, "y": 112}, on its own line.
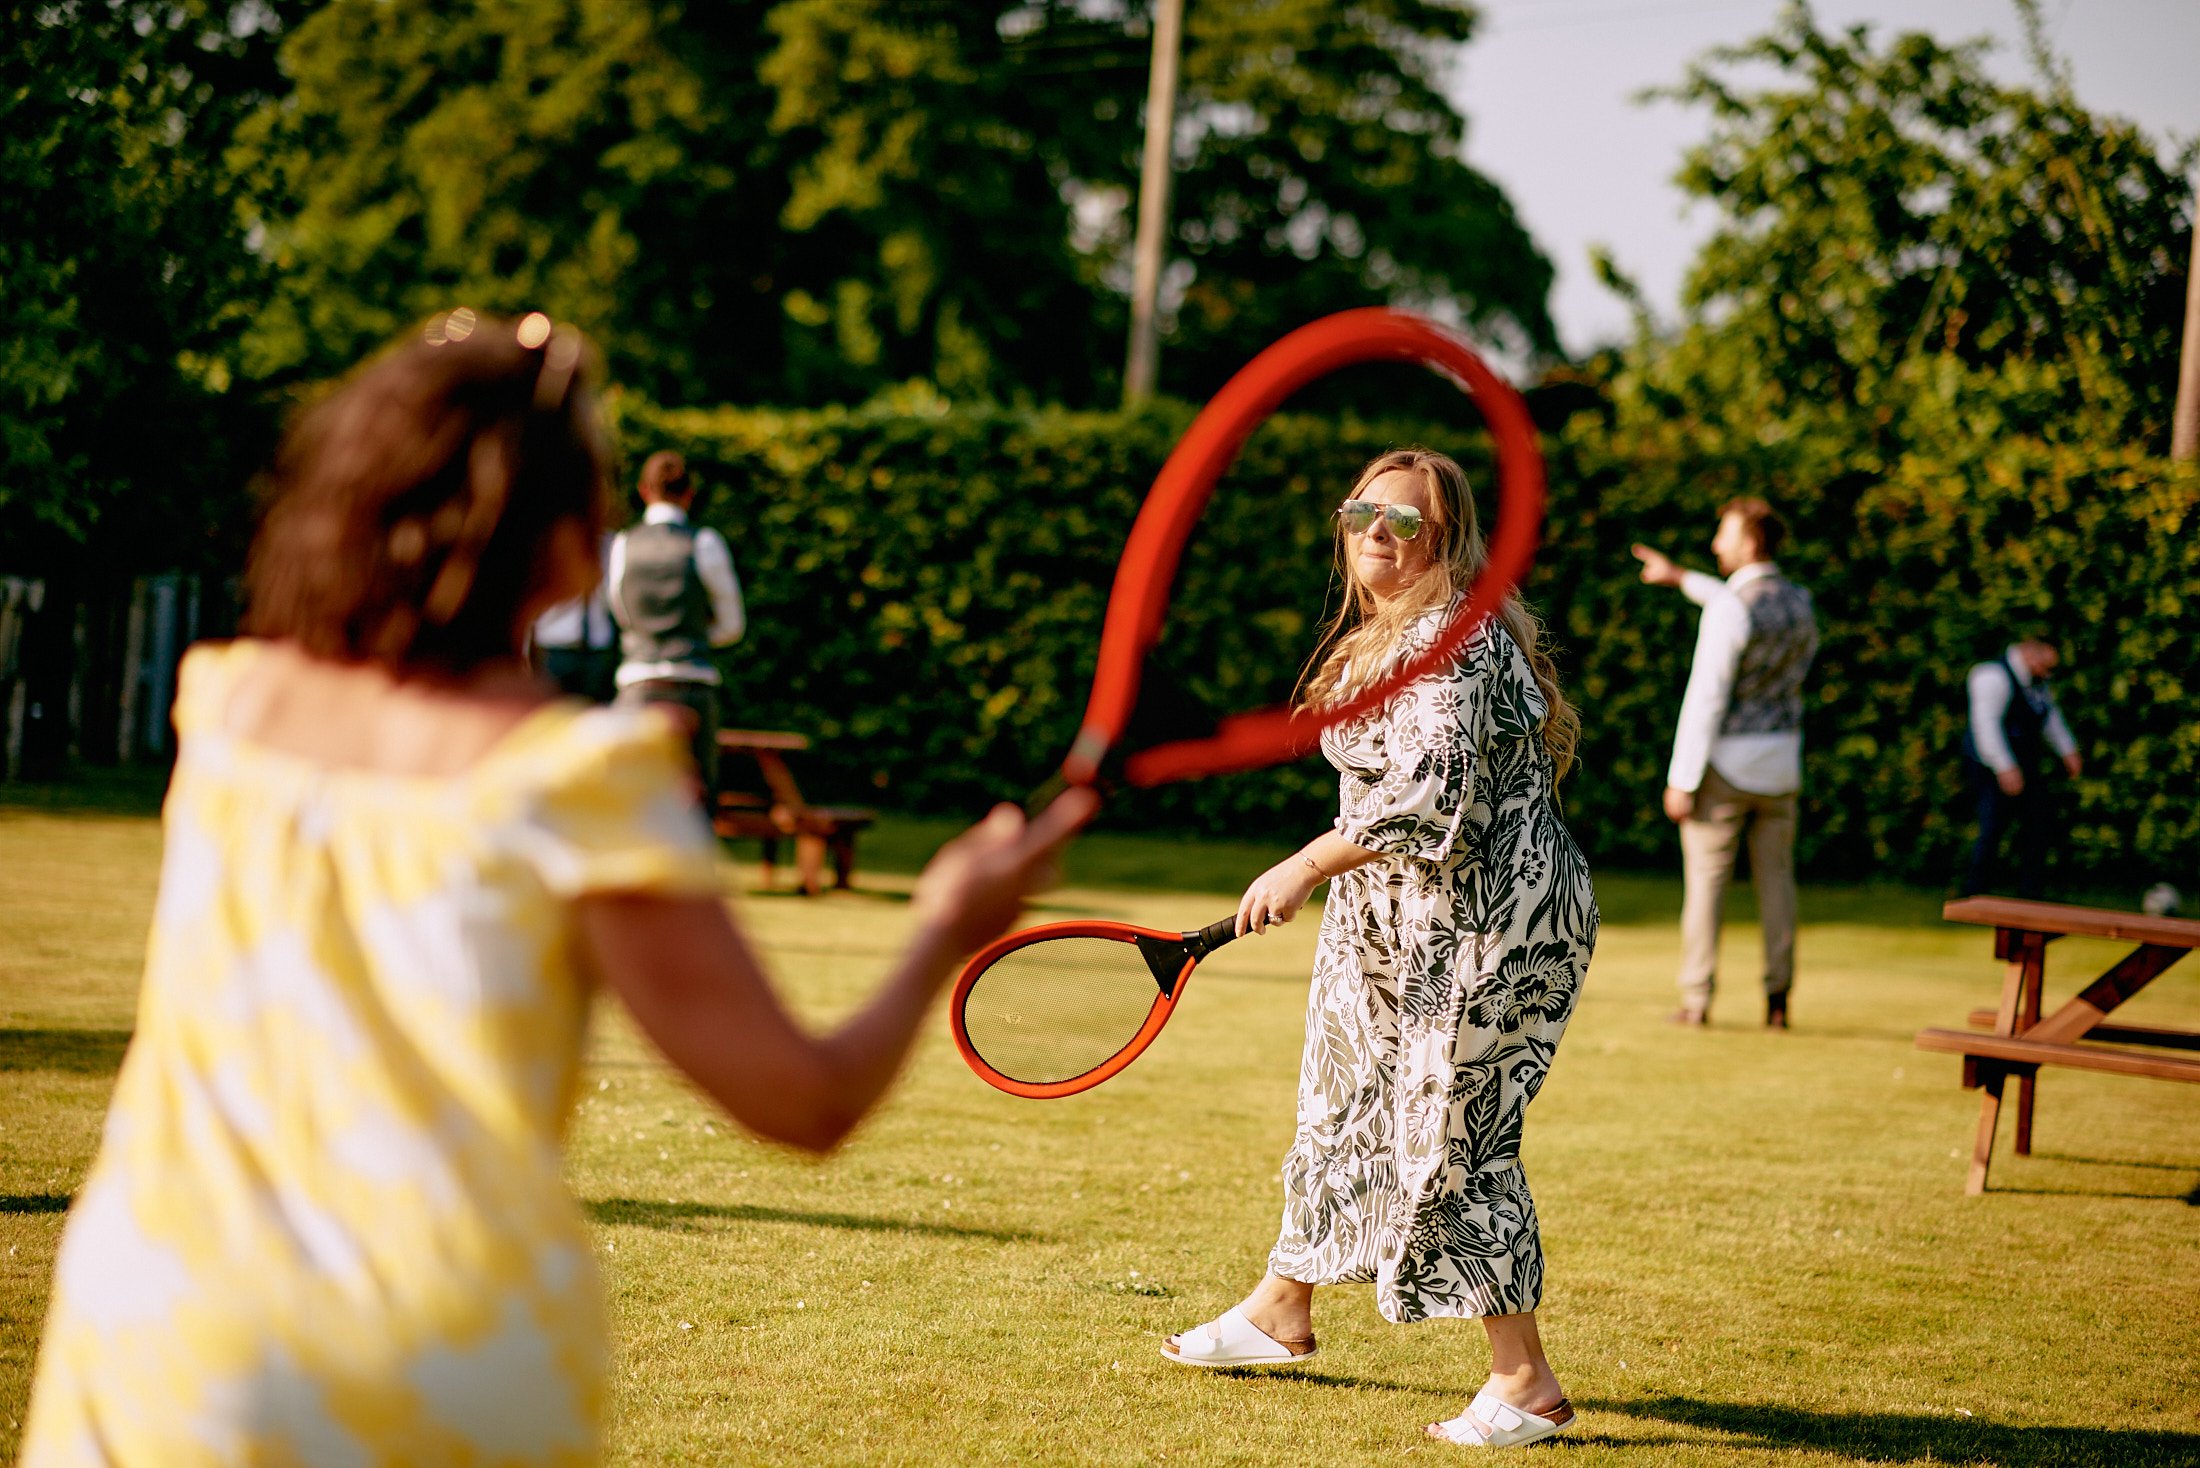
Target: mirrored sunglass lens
{"x": 1357, "y": 515}
{"x": 1405, "y": 521}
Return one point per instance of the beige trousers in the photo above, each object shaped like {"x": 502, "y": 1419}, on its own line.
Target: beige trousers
{"x": 1708, "y": 842}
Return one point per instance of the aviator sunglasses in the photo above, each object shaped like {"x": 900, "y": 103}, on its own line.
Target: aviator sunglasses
{"x": 1359, "y": 518}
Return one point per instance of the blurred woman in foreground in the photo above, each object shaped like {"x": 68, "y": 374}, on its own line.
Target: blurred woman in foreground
{"x": 326, "y": 1223}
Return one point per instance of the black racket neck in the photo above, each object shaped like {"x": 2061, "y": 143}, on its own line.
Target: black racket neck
{"x": 1167, "y": 957}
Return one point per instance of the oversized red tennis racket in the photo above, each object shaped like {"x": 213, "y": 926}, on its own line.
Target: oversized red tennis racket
{"x": 1095, "y": 994}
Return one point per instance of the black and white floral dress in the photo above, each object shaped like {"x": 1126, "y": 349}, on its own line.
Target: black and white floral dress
{"x": 1446, "y": 972}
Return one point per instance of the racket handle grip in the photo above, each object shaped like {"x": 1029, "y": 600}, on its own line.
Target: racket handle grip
{"x": 1211, "y": 937}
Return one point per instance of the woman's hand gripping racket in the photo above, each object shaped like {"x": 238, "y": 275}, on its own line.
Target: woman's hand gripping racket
{"x": 1058, "y": 1009}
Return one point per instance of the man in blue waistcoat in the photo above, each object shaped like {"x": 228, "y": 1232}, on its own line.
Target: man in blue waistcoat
{"x": 2015, "y": 728}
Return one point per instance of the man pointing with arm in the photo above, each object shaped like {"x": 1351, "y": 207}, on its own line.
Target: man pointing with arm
{"x": 1737, "y": 763}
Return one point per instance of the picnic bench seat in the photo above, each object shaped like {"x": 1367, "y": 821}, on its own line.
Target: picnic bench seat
{"x": 2017, "y": 1040}
{"x": 779, "y": 812}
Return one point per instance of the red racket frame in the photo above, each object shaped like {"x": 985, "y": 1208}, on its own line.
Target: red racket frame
{"x": 1164, "y": 1004}
{"x": 1140, "y": 598}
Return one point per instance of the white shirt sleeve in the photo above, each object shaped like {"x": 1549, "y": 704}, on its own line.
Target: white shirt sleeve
{"x": 614, "y": 572}
{"x": 1701, "y": 587}
{"x": 1719, "y": 645}
{"x": 714, "y": 567}
{"x": 1991, "y": 691}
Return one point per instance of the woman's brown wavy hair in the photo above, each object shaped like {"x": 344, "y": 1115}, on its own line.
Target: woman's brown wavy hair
{"x": 409, "y": 512}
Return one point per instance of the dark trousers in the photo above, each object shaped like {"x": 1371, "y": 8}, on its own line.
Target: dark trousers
{"x": 580, "y": 672}
{"x": 696, "y": 706}
{"x": 2031, "y": 811}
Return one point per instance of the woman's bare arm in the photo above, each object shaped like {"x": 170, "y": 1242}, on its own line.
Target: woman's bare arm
{"x": 699, "y": 992}
{"x": 1277, "y": 894}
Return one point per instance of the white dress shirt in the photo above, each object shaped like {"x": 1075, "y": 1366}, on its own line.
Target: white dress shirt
{"x": 1991, "y": 691}
{"x": 1762, "y": 764}
{"x": 714, "y": 568}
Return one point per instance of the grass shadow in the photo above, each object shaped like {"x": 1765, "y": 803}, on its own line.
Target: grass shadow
{"x": 2040, "y": 1156}
{"x": 785, "y": 890}
{"x": 79, "y": 1052}
{"x": 1895, "y": 1437}
{"x": 36, "y": 1202}
{"x": 2190, "y": 1199}
{"x": 134, "y": 790}
{"x": 686, "y": 1217}
{"x": 1333, "y": 1380}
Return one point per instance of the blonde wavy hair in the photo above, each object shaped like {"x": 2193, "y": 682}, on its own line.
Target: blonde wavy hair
{"x": 1355, "y": 647}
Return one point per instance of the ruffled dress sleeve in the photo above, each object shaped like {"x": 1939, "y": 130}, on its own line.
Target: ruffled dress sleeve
{"x": 1414, "y": 799}
{"x": 617, "y": 811}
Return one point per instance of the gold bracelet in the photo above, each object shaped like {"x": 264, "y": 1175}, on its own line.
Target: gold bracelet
{"x": 1315, "y": 865}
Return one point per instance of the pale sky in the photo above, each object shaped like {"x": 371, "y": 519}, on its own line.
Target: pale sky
{"x": 1546, "y": 91}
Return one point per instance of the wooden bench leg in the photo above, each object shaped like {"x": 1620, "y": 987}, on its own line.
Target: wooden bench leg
{"x": 2024, "y": 1113}
{"x": 2028, "y": 1015}
{"x": 844, "y": 860}
{"x": 809, "y": 863}
{"x": 1989, "y": 1112}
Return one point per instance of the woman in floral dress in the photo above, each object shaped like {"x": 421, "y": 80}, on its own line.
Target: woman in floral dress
{"x": 1459, "y": 925}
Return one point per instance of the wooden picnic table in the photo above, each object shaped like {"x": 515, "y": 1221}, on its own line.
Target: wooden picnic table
{"x": 780, "y": 811}
{"x": 2017, "y": 1040}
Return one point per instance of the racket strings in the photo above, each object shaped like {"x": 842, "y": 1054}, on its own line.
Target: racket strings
{"x": 1059, "y": 1008}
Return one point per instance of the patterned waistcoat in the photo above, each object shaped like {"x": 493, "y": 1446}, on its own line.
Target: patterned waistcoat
{"x": 664, "y": 609}
{"x": 1783, "y": 637}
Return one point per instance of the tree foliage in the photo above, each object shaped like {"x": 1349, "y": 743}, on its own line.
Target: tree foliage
{"x": 1911, "y": 251}
{"x": 810, "y": 200}
{"x": 127, "y": 277}
{"x": 1323, "y": 170}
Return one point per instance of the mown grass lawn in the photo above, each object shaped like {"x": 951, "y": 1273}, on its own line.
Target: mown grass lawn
{"x": 1759, "y": 1249}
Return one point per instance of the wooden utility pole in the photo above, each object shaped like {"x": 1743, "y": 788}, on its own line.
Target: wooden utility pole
{"x": 1144, "y": 366}
{"x": 2184, "y": 423}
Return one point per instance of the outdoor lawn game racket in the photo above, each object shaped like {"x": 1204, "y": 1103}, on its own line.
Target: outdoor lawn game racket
{"x": 1058, "y": 1009}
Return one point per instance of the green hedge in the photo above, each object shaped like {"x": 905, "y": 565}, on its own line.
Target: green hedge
{"x": 926, "y": 587}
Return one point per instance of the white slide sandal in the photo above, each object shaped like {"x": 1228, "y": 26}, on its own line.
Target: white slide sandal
{"x": 1491, "y": 1422}
{"x": 1231, "y": 1340}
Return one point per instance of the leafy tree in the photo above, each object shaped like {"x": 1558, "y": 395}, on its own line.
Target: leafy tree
{"x": 127, "y": 276}
{"x": 1911, "y": 249}
{"x": 585, "y": 157}
{"x": 968, "y": 148}
{"x": 813, "y": 199}
{"x": 1324, "y": 170}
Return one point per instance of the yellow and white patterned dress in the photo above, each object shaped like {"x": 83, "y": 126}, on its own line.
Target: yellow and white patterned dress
{"x": 326, "y": 1224}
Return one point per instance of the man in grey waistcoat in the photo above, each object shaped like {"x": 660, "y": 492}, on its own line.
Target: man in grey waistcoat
{"x": 1737, "y": 762}
{"x": 673, "y": 592}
